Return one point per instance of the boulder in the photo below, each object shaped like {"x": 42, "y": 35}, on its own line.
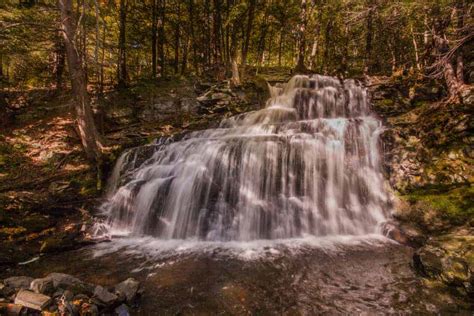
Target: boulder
{"x": 42, "y": 286}
{"x": 68, "y": 282}
{"x": 104, "y": 296}
{"x": 18, "y": 282}
{"x": 128, "y": 288}
{"x": 122, "y": 310}
{"x": 32, "y": 300}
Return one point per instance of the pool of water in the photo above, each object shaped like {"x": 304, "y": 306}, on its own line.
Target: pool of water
{"x": 309, "y": 276}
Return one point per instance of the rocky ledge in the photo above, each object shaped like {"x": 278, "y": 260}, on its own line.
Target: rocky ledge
{"x": 63, "y": 294}
{"x": 449, "y": 259}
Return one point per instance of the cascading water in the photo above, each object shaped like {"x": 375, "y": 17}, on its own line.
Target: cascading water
{"x": 306, "y": 164}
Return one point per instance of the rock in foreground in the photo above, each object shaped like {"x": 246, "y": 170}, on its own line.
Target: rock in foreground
{"x": 65, "y": 294}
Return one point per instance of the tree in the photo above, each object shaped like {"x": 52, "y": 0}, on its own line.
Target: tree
{"x": 84, "y": 117}
{"x": 300, "y": 66}
{"x": 122, "y": 55}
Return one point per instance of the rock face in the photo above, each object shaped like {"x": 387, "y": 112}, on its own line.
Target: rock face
{"x": 449, "y": 259}
{"x": 428, "y": 155}
{"x": 427, "y": 142}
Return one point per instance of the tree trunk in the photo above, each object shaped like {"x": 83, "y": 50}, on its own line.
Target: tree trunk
{"x": 369, "y": 35}
{"x": 59, "y": 61}
{"x": 191, "y": 33}
{"x": 302, "y": 37}
{"x": 248, "y": 33}
{"x": 415, "y": 48}
{"x": 460, "y": 11}
{"x": 154, "y": 37}
{"x": 122, "y": 60}
{"x": 216, "y": 41}
{"x": 84, "y": 117}
{"x": 280, "y": 45}
{"x": 448, "y": 70}
{"x": 1, "y": 68}
{"x": 176, "y": 42}
{"x": 184, "y": 60}
{"x": 161, "y": 36}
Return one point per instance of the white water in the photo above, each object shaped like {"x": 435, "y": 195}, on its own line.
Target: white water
{"x": 306, "y": 165}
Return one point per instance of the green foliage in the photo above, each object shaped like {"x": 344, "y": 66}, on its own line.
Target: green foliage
{"x": 200, "y": 36}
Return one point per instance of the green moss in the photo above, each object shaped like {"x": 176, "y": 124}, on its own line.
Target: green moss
{"x": 455, "y": 206}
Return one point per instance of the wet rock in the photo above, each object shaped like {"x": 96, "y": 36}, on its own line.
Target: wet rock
{"x": 128, "y": 288}
{"x": 18, "y": 282}
{"x": 68, "y": 282}
{"x": 32, "y": 300}
{"x": 404, "y": 233}
{"x": 42, "y": 286}
{"x": 122, "y": 310}
{"x": 104, "y": 296}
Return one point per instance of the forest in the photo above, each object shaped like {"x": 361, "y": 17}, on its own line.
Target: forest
{"x": 236, "y": 157}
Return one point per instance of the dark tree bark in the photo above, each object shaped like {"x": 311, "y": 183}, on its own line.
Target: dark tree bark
{"x": 154, "y": 37}
{"x": 59, "y": 61}
{"x": 217, "y": 32}
{"x": 192, "y": 34}
{"x": 300, "y": 66}
{"x": 280, "y": 44}
{"x": 84, "y": 117}
{"x": 369, "y": 36}
{"x": 248, "y": 33}
{"x": 177, "y": 41}
{"x": 460, "y": 11}
{"x": 122, "y": 60}
{"x": 161, "y": 37}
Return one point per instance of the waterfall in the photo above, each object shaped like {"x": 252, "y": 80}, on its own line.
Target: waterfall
{"x": 307, "y": 164}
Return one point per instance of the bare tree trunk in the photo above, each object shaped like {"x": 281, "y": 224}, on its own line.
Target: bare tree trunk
{"x": 59, "y": 61}
{"x": 447, "y": 67}
{"x": 302, "y": 37}
{"x": 102, "y": 61}
{"x": 280, "y": 46}
{"x": 460, "y": 11}
{"x": 122, "y": 61}
{"x": 97, "y": 40}
{"x": 248, "y": 33}
{"x": 415, "y": 47}
{"x": 84, "y": 117}
{"x": 176, "y": 42}
{"x": 192, "y": 33}
{"x": 368, "y": 39}
{"x": 161, "y": 36}
{"x": 154, "y": 37}
{"x": 184, "y": 60}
